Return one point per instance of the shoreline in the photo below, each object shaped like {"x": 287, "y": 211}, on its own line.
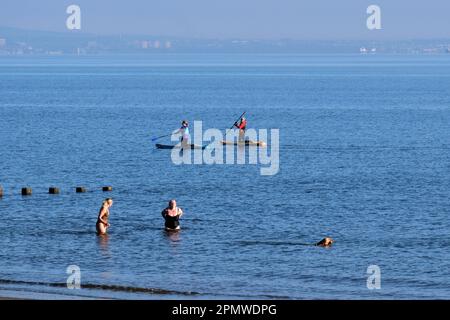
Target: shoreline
{"x": 10, "y": 295}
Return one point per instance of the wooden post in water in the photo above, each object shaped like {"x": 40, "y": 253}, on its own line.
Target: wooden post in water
{"x": 107, "y": 188}
{"x": 80, "y": 189}
{"x": 53, "y": 190}
{"x": 27, "y": 191}
{"x": 1, "y": 191}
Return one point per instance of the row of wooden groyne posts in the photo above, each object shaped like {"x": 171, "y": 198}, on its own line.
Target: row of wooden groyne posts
{"x": 27, "y": 191}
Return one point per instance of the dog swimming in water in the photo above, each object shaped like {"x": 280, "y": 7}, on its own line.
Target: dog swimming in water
{"x": 325, "y": 242}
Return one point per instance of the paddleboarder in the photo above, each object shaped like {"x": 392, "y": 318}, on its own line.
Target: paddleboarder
{"x": 241, "y": 126}
{"x": 185, "y": 136}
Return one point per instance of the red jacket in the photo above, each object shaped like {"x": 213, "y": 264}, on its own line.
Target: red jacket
{"x": 242, "y": 124}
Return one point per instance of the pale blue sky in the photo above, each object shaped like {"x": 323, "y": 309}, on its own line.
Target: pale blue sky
{"x": 297, "y": 19}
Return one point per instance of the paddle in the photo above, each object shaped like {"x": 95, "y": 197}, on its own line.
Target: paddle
{"x": 156, "y": 138}
{"x": 235, "y": 123}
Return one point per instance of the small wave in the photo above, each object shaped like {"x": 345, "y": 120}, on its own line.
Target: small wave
{"x": 126, "y": 289}
{"x": 116, "y": 288}
{"x": 76, "y": 232}
{"x": 364, "y": 147}
{"x": 273, "y": 243}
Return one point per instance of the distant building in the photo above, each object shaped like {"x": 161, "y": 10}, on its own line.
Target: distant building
{"x": 145, "y": 44}
{"x": 366, "y": 50}
{"x": 157, "y": 44}
{"x": 92, "y": 44}
{"x": 55, "y": 53}
{"x": 168, "y": 44}
{"x": 430, "y": 50}
{"x": 2, "y": 42}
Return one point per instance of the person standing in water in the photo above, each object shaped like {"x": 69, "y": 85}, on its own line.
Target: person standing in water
{"x": 185, "y": 136}
{"x": 242, "y": 125}
{"x": 172, "y": 216}
{"x": 102, "y": 220}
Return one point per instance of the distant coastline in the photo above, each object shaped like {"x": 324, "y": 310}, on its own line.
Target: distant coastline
{"x": 25, "y": 42}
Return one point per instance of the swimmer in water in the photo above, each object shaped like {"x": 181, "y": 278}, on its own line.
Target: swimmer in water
{"x": 172, "y": 216}
{"x": 102, "y": 221}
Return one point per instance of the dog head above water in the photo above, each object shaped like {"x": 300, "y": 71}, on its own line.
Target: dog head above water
{"x": 325, "y": 242}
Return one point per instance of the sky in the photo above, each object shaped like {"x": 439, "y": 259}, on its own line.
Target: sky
{"x": 254, "y": 19}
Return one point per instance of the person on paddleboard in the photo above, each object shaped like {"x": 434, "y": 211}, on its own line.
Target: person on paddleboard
{"x": 184, "y": 131}
{"x": 242, "y": 125}
{"x": 102, "y": 220}
{"x": 172, "y": 216}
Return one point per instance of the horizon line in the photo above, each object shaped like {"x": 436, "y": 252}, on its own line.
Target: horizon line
{"x": 228, "y": 38}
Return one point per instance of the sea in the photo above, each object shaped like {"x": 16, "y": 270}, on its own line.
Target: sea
{"x": 364, "y": 158}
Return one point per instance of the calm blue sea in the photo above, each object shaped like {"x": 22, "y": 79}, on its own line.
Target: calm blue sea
{"x": 364, "y": 159}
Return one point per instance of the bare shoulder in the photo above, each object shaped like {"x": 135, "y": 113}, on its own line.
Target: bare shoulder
{"x": 102, "y": 211}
